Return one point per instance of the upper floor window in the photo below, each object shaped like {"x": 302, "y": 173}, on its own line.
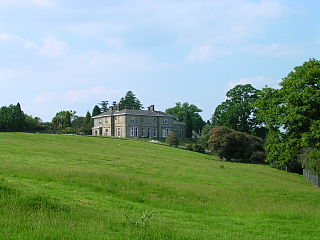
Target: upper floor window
{"x": 155, "y": 120}
{"x": 100, "y": 121}
{"x": 134, "y": 120}
{"x": 106, "y": 121}
{"x": 142, "y": 119}
{"x": 165, "y": 121}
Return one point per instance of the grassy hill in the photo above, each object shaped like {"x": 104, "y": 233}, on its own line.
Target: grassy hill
{"x": 71, "y": 187}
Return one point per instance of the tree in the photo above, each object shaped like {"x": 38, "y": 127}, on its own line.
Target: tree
{"x": 12, "y": 118}
{"x": 179, "y": 112}
{"x": 230, "y": 144}
{"x": 62, "y": 119}
{"x": 188, "y": 121}
{"x": 205, "y": 134}
{"x": 96, "y": 111}
{"x": 292, "y": 118}
{"x": 130, "y": 101}
{"x": 238, "y": 111}
{"x": 88, "y": 123}
{"x": 104, "y": 106}
{"x": 172, "y": 139}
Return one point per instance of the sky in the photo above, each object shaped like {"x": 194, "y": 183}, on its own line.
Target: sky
{"x": 71, "y": 54}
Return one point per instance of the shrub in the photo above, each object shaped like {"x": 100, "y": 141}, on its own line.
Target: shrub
{"x": 230, "y": 144}
{"x": 189, "y": 147}
{"x": 69, "y": 130}
{"x": 257, "y": 156}
{"x": 172, "y": 139}
{"x": 197, "y": 148}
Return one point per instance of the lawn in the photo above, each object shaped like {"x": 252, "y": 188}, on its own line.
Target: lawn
{"x": 80, "y": 187}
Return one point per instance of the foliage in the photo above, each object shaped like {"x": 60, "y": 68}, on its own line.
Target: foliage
{"x": 62, "y": 119}
{"x": 104, "y": 106}
{"x": 205, "y": 133}
{"x": 78, "y": 123}
{"x": 238, "y": 111}
{"x": 172, "y": 139}
{"x": 292, "y": 116}
{"x": 96, "y": 111}
{"x": 130, "y": 101}
{"x": 12, "y": 118}
{"x": 88, "y": 124}
{"x": 257, "y": 156}
{"x": 69, "y": 130}
{"x": 33, "y": 124}
{"x": 188, "y": 121}
{"x": 180, "y": 110}
{"x": 230, "y": 144}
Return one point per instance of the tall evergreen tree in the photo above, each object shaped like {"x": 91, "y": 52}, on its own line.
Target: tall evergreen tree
{"x": 104, "y": 106}
{"x": 130, "y": 101}
{"x": 88, "y": 123}
{"x": 96, "y": 111}
{"x": 188, "y": 121}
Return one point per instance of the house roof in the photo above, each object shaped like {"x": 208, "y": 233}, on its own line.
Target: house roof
{"x": 134, "y": 112}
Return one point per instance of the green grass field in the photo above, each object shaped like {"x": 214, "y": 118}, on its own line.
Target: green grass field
{"x": 78, "y": 187}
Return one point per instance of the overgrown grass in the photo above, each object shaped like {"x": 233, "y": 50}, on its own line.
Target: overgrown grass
{"x": 77, "y": 187}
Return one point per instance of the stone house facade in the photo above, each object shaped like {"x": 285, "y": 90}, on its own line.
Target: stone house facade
{"x": 131, "y": 123}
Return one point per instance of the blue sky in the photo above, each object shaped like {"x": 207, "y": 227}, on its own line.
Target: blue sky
{"x": 66, "y": 54}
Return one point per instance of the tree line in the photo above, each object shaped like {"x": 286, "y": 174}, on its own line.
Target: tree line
{"x": 284, "y": 121}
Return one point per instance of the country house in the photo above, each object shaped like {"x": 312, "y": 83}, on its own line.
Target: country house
{"x": 131, "y": 123}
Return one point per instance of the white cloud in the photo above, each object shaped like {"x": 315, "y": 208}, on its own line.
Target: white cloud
{"x": 53, "y": 47}
{"x": 257, "y": 82}
{"x": 206, "y": 52}
{"x": 42, "y": 3}
{"x": 15, "y": 38}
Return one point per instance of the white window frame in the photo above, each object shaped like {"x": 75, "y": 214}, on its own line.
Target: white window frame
{"x": 165, "y": 121}
{"x": 119, "y": 132}
{"x": 136, "y": 132}
{"x": 132, "y": 132}
{"x": 142, "y": 132}
{"x": 154, "y": 132}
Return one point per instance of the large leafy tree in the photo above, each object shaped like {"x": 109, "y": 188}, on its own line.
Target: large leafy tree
{"x": 63, "y": 119}
{"x": 179, "y": 111}
{"x": 292, "y": 117}
{"x": 12, "y": 118}
{"x": 238, "y": 111}
{"x": 130, "y": 101}
{"x": 188, "y": 121}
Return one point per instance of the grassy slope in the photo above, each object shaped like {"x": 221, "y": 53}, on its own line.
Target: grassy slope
{"x": 70, "y": 187}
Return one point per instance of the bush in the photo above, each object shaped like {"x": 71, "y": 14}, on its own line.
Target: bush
{"x": 257, "y": 156}
{"x": 197, "y": 148}
{"x": 69, "y": 130}
{"x": 230, "y": 144}
{"x": 189, "y": 147}
{"x": 172, "y": 139}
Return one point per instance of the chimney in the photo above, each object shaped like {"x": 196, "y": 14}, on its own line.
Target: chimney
{"x": 151, "y": 108}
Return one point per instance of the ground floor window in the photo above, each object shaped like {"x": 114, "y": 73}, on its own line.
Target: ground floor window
{"x": 118, "y": 132}
{"x": 155, "y": 132}
{"x": 142, "y": 132}
{"x": 106, "y": 133}
{"x": 165, "y": 132}
{"x": 134, "y": 132}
